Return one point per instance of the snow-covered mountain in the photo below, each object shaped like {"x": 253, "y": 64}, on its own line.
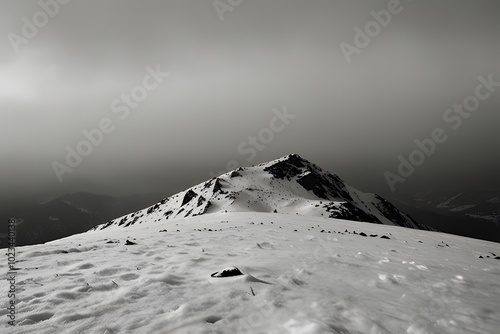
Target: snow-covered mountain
{"x": 289, "y": 185}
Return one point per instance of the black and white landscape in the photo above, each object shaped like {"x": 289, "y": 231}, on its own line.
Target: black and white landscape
{"x": 250, "y": 166}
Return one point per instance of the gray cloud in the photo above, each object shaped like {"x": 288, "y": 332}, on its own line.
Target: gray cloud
{"x": 226, "y": 77}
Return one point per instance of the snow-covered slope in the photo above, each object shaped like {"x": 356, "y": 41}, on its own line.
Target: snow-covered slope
{"x": 290, "y": 185}
{"x": 304, "y": 275}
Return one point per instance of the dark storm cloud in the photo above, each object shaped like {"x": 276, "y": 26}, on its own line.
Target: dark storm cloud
{"x": 226, "y": 77}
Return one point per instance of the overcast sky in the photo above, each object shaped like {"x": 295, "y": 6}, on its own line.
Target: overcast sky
{"x": 225, "y": 79}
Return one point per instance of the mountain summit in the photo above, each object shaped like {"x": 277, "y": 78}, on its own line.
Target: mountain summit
{"x": 289, "y": 185}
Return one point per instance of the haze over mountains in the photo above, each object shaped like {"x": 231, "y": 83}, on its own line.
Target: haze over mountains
{"x": 474, "y": 214}
{"x": 69, "y": 214}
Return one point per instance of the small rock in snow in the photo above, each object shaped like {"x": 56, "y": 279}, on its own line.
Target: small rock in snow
{"x": 229, "y": 272}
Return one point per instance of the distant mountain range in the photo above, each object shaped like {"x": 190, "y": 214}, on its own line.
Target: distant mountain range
{"x": 289, "y": 185}
{"x": 67, "y": 215}
{"x": 472, "y": 213}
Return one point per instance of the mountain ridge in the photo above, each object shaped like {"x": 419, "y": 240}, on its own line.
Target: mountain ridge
{"x": 290, "y": 185}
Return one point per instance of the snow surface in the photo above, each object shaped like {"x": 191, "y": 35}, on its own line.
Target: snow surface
{"x": 301, "y": 275}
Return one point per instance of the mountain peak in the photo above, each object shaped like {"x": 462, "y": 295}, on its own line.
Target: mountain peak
{"x": 294, "y": 156}
{"x": 292, "y": 159}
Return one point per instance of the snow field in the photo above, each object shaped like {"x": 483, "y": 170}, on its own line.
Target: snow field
{"x": 304, "y": 281}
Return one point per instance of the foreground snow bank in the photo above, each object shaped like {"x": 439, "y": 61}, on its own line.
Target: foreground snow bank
{"x": 300, "y": 275}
